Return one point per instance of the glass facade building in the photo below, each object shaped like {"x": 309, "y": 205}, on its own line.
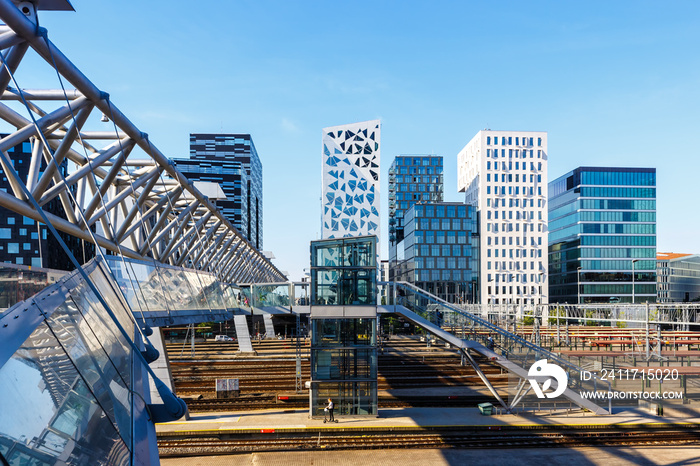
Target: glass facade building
{"x": 412, "y": 179}
{"x": 442, "y": 251}
{"x": 678, "y": 277}
{"x": 344, "y": 325}
{"x": 602, "y": 239}
{"x": 231, "y": 161}
{"x": 24, "y": 241}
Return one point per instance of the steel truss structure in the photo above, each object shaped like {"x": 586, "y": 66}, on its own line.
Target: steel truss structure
{"x": 139, "y": 208}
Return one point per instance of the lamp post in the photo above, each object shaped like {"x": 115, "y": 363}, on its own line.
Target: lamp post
{"x": 634, "y": 261}
{"x": 578, "y": 285}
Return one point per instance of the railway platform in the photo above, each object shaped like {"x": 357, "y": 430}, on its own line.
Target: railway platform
{"x": 280, "y": 420}
{"x": 581, "y": 456}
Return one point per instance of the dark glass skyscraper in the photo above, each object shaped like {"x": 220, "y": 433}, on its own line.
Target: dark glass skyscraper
{"x": 26, "y": 242}
{"x": 412, "y": 179}
{"x": 602, "y": 235}
{"x": 231, "y": 161}
{"x": 442, "y": 250}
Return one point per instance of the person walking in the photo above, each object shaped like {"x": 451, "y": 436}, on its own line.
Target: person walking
{"x": 490, "y": 344}
{"x": 329, "y": 408}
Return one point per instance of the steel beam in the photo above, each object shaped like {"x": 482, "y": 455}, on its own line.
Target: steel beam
{"x": 12, "y": 61}
{"x": 115, "y": 186}
{"x": 87, "y": 168}
{"x": 59, "y": 154}
{"x": 12, "y": 203}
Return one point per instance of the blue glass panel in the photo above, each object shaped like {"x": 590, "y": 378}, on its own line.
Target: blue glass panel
{"x": 55, "y": 417}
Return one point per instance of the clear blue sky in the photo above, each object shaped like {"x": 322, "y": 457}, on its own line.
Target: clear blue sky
{"x": 613, "y": 83}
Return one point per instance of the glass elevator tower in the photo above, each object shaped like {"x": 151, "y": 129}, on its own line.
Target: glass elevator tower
{"x": 344, "y": 325}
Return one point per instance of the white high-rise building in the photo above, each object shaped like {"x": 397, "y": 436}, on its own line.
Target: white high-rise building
{"x": 504, "y": 174}
{"x": 350, "y": 198}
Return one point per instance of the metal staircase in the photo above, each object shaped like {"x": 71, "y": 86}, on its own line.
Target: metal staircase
{"x": 512, "y": 352}
{"x": 242, "y": 334}
{"x": 269, "y": 328}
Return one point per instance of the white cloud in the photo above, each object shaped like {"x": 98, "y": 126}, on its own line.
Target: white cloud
{"x": 289, "y": 126}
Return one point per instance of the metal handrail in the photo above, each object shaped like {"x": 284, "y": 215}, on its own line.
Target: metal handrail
{"x": 478, "y": 320}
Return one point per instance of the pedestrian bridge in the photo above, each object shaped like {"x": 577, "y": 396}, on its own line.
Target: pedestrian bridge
{"x": 74, "y": 360}
{"x": 75, "y": 357}
{"x": 74, "y": 363}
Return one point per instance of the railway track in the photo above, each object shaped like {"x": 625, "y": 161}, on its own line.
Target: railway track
{"x": 270, "y": 402}
{"x": 404, "y": 364}
{"x": 279, "y": 385}
{"x": 454, "y": 438}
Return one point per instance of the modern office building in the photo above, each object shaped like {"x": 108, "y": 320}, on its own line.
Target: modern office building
{"x": 602, "y": 235}
{"x": 232, "y": 161}
{"x": 442, "y": 251}
{"x": 504, "y": 175}
{"x": 24, "y": 241}
{"x": 344, "y": 325}
{"x": 412, "y": 179}
{"x": 677, "y": 277}
{"x": 350, "y": 180}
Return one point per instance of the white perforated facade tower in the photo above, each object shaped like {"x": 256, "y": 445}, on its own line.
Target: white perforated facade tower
{"x": 504, "y": 174}
{"x": 350, "y": 198}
